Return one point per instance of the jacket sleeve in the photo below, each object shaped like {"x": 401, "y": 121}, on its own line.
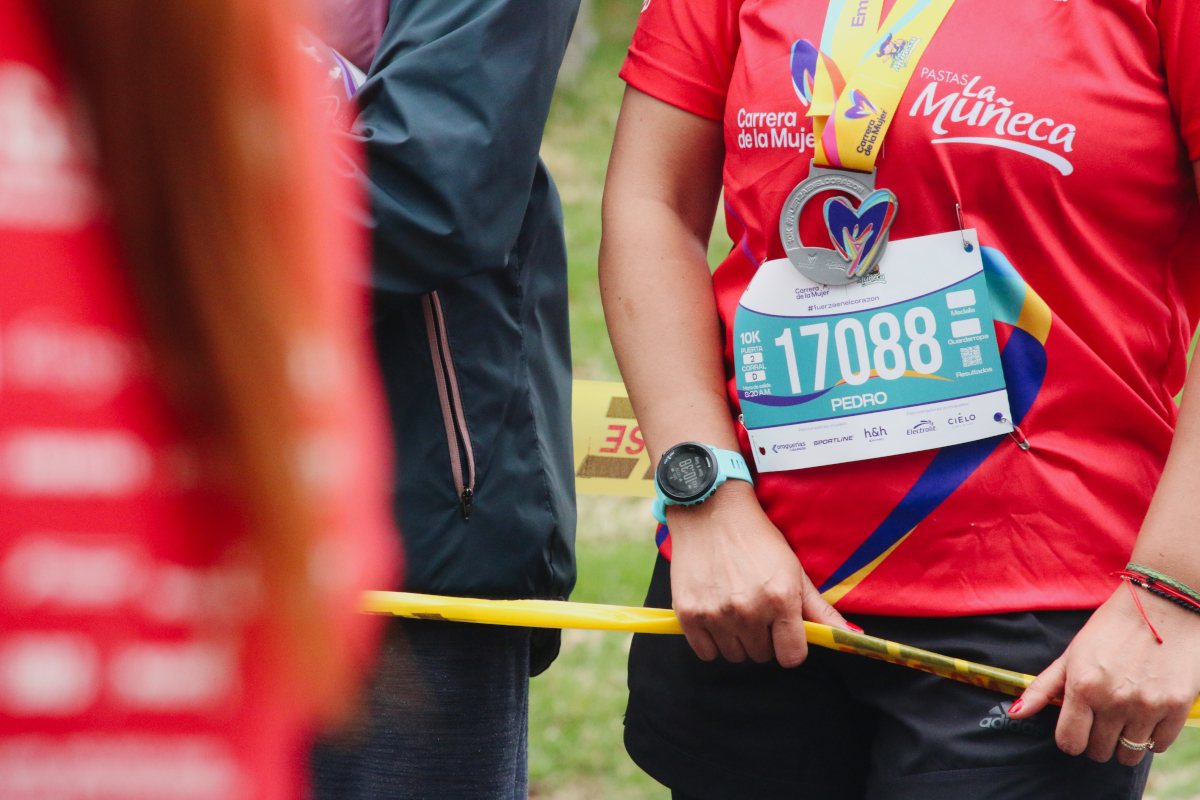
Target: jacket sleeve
{"x": 453, "y": 114}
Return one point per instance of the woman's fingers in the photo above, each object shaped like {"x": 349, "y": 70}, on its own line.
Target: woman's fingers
{"x": 789, "y": 641}
{"x": 1168, "y": 728}
{"x": 770, "y": 626}
{"x": 701, "y": 641}
{"x": 818, "y": 609}
{"x": 1102, "y": 737}
{"x": 787, "y": 631}
{"x": 740, "y": 582}
{"x": 1085, "y": 724}
{"x": 1138, "y": 733}
{"x": 1046, "y": 686}
{"x": 1074, "y": 729}
{"x": 710, "y": 636}
{"x": 788, "y": 637}
{"x": 755, "y": 640}
{"x": 766, "y": 626}
{"x": 1139, "y": 718}
{"x": 731, "y": 647}
{"x": 734, "y": 632}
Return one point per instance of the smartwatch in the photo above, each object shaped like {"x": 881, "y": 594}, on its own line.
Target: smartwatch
{"x": 689, "y": 473}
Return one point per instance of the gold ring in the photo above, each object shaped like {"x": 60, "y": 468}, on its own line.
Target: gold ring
{"x": 1138, "y": 746}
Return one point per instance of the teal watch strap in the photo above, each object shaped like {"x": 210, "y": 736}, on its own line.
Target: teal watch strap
{"x": 733, "y": 466}
{"x": 729, "y": 465}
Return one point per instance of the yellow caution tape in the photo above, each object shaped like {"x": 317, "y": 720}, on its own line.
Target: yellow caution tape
{"x": 610, "y": 456}
{"x": 522, "y": 613}
{"x": 593, "y": 616}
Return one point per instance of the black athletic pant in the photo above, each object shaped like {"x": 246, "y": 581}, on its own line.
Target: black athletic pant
{"x": 845, "y": 727}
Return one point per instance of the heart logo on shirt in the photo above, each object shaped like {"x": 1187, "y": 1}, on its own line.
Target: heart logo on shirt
{"x": 804, "y": 69}
{"x": 860, "y": 106}
{"x": 858, "y": 233}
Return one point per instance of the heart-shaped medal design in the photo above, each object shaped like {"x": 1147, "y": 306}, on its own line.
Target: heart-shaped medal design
{"x": 857, "y": 234}
{"x": 860, "y": 106}
{"x": 860, "y": 235}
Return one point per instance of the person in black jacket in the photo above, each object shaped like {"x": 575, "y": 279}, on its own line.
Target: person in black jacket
{"x": 470, "y": 299}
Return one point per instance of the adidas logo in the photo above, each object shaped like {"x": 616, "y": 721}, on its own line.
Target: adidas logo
{"x": 998, "y": 719}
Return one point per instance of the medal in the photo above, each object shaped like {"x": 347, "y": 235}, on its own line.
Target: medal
{"x": 851, "y": 116}
{"x": 859, "y": 235}
{"x": 834, "y": 364}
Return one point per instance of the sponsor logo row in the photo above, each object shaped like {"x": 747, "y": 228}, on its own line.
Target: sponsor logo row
{"x": 879, "y": 433}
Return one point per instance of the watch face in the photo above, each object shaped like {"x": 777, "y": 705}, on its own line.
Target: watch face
{"x": 686, "y": 472}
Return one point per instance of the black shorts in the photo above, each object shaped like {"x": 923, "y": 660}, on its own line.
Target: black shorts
{"x": 842, "y": 726}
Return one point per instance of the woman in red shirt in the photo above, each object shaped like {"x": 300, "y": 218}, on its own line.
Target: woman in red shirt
{"x": 190, "y": 470}
{"x": 1048, "y": 139}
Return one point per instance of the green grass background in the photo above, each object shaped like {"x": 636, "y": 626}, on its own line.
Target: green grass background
{"x": 576, "y": 707}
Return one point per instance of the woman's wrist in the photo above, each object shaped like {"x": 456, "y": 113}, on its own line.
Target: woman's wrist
{"x": 1175, "y": 556}
{"x": 1165, "y": 620}
{"x": 1160, "y": 584}
{"x": 733, "y": 501}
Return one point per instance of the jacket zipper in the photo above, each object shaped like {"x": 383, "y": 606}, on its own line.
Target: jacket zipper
{"x": 462, "y": 458}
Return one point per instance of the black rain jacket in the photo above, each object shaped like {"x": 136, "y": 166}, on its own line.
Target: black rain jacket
{"x": 470, "y": 294}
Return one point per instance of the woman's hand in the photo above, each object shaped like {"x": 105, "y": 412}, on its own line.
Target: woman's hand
{"x": 1116, "y": 680}
{"x": 736, "y": 584}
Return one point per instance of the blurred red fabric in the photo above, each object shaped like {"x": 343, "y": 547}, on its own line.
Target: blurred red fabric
{"x": 132, "y": 657}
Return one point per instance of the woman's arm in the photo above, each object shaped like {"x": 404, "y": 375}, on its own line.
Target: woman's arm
{"x": 1115, "y": 678}
{"x": 736, "y": 585}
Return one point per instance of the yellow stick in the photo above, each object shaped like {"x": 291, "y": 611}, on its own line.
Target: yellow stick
{"x": 593, "y": 616}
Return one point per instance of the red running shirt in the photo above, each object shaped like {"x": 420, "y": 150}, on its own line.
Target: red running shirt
{"x": 1064, "y": 128}
{"x": 132, "y": 661}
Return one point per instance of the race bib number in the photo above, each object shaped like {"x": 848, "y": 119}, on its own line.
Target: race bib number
{"x": 901, "y": 361}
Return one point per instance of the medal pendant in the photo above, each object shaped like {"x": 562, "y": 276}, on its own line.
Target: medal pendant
{"x": 859, "y": 235}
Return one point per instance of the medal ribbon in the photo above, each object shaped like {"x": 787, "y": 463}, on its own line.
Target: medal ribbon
{"x": 851, "y": 115}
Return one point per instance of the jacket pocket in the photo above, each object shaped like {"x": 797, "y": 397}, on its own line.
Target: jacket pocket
{"x": 462, "y": 458}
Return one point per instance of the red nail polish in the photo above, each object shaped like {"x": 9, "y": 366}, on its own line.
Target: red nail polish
{"x": 1015, "y": 707}
{"x": 854, "y": 627}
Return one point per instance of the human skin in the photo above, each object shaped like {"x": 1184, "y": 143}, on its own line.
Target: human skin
{"x": 736, "y": 586}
